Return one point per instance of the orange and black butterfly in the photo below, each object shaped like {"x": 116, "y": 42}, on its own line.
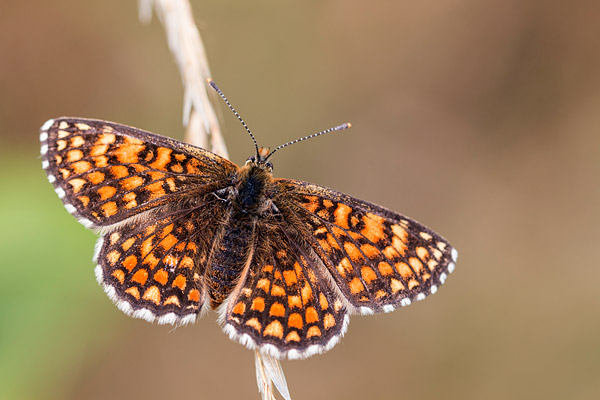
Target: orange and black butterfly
{"x": 284, "y": 262}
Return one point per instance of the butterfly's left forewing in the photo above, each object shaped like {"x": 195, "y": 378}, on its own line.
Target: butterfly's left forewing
{"x": 105, "y": 172}
{"x": 378, "y": 259}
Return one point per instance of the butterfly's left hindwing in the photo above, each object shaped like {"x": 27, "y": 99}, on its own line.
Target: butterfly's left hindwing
{"x": 378, "y": 259}
{"x": 157, "y": 270}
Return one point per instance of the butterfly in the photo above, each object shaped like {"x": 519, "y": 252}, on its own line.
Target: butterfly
{"x": 283, "y": 262}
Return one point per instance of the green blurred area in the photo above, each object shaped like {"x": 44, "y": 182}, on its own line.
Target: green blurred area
{"x": 49, "y": 314}
{"x": 479, "y": 119}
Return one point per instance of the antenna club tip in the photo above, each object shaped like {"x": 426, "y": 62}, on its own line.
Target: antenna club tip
{"x": 343, "y": 126}
{"x": 212, "y": 84}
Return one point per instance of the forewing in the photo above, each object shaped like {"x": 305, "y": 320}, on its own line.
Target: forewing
{"x": 156, "y": 271}
{"x": 379, "y": 259}
{"x": 105, "y": 172}
{"x": 283, "y": 304}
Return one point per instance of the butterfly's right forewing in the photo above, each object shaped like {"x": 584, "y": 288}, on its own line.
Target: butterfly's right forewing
{"x": 379, "y": 260}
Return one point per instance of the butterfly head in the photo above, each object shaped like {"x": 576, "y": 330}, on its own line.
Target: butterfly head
{"x": 261, "y": 159}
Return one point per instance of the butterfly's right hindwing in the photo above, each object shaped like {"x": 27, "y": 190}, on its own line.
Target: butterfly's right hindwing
{"x": 284, "y": 306}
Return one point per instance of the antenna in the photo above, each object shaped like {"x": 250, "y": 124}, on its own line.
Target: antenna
{"x": 335, "y": 128}
{"x": 216, "y": 88}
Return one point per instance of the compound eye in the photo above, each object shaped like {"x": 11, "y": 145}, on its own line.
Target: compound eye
{"x": 269, "y": 166}
{"x": 251, "y": 160}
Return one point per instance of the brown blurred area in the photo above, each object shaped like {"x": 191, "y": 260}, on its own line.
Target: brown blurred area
{"x": 479, "y": 119}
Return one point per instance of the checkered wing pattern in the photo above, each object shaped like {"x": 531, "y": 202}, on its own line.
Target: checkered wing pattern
{"x": 286, "y": 262}
{"x": 157, "y": 271}
{"x": 379, "y": 259}
{"x": 153, "y": 199}
{"x": 285, "y": 305}
{"x": 105, "y": 172}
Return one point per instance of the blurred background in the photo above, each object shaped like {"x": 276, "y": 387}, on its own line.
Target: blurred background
{"x": 479, "y": 119}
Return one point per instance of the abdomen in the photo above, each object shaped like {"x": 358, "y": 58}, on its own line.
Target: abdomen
{"x": 229, "y": 257}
